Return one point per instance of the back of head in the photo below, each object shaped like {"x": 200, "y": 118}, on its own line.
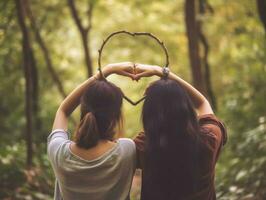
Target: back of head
{"x": 100, "y": 113}
{"x": 168, "y": 107}
{"x": 171, "y": 128}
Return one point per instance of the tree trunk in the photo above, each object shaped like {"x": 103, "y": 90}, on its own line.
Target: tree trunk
{"x": 29, "y": 71}
{"x": 44, "y": 50}
{"x": 261, "y": 4}
{"x": 84, "y": 32}
{"x": 193, "y": 45}
{"x": 205, "y": 63}
{"x": 35, "y": 92}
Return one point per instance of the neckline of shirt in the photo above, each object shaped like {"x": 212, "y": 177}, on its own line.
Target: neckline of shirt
{"x": 101, "y": 157}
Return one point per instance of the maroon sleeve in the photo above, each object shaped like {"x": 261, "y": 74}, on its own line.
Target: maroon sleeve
{"x": 140, "y": 145}
{"x": 215, "y": 131}
{"x": 212, "y": 122}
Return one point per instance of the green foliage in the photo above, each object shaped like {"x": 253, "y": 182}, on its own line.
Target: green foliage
{"x": 242, "y": 168}
{"x": 237, "y": 59}
{"x": 20, "y": 183}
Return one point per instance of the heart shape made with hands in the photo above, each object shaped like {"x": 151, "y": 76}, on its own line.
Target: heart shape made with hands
{"x": 132, "y": 34}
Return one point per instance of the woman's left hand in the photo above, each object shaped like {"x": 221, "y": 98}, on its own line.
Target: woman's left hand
{"x": 122, "y": 68}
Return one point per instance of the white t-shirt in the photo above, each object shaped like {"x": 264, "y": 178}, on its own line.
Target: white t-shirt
{"x": 108, "y": 177}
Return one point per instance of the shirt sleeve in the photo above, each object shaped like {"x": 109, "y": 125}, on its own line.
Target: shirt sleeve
{"x": 140, "y": 146}
{"x": 212, "y": 122}
{"x": 129, "y": 149}
{"x": 216, "y": 132}
{"x": 56, "y": 138}
{"x": 129, "y": 146}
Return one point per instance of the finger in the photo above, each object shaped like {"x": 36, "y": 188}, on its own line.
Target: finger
{"x": 128, "y": 74}
{"x": 134, "y": 69}
{"x": 129, "y": 69}
{"x": 140, "y": 68}
{"x": 142, "y": 74}
{"x": 129, "y": 64}
{"x": 123, "y": 65}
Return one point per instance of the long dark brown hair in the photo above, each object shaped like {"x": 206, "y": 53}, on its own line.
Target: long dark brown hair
{"x": 100, "y": 113}
{"x": 171, "y": 128}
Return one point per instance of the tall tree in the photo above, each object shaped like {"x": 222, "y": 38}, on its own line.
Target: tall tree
{"x": 44, "y": 49}
{"x": 30, "y": 70}
{"x": 198, "y": 42}
{"x": 261, "y": 4}
{"x": 203, "y": 7}
{"x": 192, "y": 28}
{"x": 84, "y": 31}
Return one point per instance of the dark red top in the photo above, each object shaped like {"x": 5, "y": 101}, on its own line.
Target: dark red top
{"x": 213, "y": 136}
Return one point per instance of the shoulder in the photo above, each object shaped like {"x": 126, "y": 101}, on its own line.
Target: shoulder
{"x": 128, "y": 154}
{"x": 59, "y": 134}
{"x": 212, "y": 126}
{"x": 56, "y": 142}
{"x": 127, "y": 145}
{"x": 213, "y": 133}
{"x": 126, "y": 142}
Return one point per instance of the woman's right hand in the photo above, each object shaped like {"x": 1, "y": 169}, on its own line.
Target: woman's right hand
{"x": 144, "y": 70}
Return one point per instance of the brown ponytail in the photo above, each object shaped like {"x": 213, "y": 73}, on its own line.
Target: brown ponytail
{"x": 87, "y": 134}
{"x": 100, "y": 107}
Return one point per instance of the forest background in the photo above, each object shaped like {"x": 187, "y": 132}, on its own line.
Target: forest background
{"x": 49, "y": 47}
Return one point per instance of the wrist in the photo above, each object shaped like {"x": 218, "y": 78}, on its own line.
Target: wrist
{"x": 165, "y": 72}
{"x": 107, "y": 70}
{"x": 97, "y": 76}
{"x": 158, "y": 71}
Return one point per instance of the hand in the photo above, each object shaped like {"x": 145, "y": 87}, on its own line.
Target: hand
{"x": 122, "y": 68}
{"x": 143, "y": 70}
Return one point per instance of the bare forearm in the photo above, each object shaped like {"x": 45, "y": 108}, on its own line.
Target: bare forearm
{"x": 69, "y": 104}
{"x": 200, "y": 102}
{"x": 196, "y": 97}
{"x": 73, "y": 99}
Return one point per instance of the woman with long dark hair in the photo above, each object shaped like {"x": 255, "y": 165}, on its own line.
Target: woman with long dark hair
{"x": 181, "y": 142}
{"x": 94, "y": 165}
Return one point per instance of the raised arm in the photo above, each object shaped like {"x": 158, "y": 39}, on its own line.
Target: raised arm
{"x": 71, "y": 102}
{"x": 200, "y": 102}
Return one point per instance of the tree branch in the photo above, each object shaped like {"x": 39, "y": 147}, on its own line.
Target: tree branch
{"x": 45, "y": 51}
{"x": 75, "y": 15}
{"x": 84, "y": 32}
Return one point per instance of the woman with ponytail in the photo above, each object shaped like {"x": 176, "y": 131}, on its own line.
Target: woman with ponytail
{"x": 181, "y": 142}
{"x": 94, "y": 166}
